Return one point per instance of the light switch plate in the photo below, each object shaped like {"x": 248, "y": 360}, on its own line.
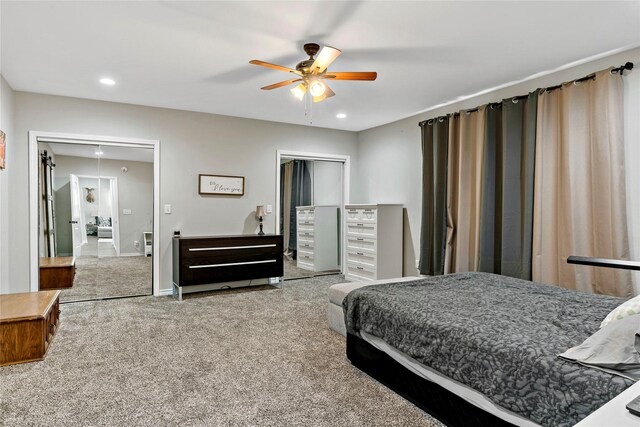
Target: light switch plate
{"x": 126, "y": 211}
{"x": 167, "y": 209}
{"x": 269, "y": 209}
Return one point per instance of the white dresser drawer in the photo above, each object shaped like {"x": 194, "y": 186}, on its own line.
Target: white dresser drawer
{"x": 367, "y": 215}
{"x": 306, "y": 235}
{"x": 305, "y": 214}
{"x": 362, "y": 259}
{"x": 358, "y": 272}
{"x": 305, "y": 226}
{"x": 361, "y": 244}
{"x": 352, "y": 215}
{"x": 360, "y": 229}
{"x": 305, "y": 257}
{"x": 305, "y": 245}
{"x": 305, "y": 265}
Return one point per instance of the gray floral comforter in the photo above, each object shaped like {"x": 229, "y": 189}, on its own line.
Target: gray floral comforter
{"x": 498, "y": 335}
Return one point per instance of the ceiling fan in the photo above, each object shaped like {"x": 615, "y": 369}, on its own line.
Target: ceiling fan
{"x": 311, "y": 73}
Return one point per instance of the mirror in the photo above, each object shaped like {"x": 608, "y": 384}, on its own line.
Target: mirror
{"x": 96, "y": 218}
{"x": 310, "y": 216}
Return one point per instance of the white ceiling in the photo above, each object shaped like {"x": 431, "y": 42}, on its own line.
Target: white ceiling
{"x": 194, "y": 55}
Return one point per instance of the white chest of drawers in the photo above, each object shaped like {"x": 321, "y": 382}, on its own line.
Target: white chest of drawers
{"x": 318, "y": 247}
{"x": 373, "y": 242}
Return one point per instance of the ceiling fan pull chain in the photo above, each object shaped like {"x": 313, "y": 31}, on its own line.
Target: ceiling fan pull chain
{"x": 308, "y": 108}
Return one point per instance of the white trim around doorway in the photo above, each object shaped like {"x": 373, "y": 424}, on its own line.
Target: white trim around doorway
{"x": 346, "y": 185}
{"x": 39, "y": 136}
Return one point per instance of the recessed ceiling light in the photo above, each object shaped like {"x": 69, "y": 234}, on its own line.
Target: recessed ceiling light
{"x": 107, "y": 81}
{"x": 341, "y": 115}
{"x": 99, "y": 153}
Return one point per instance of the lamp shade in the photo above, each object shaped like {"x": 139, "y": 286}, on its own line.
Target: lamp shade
{"x": 260, "y": 211}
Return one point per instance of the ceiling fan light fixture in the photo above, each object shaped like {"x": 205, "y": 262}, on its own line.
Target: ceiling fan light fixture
{"x": 299, "y": 91}
{"x": 317, "y": 89}
{"x": 319, "y": 98}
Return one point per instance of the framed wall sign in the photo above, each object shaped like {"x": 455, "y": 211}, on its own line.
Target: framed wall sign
{"x": 221, "y": 184}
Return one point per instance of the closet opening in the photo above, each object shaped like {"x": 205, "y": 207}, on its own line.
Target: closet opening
{"x": 312, "y": 190}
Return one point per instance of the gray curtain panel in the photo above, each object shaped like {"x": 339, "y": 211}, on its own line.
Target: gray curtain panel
{"x": 435, "y": 136}
{"x": 300, "y": 196}
{"x": 506, "y": 225}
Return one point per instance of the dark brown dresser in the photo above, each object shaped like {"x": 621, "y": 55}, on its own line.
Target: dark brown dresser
{"x": 218, "y": 259}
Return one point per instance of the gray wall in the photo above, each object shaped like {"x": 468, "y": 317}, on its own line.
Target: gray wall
{"x": 135, "y": 192}
{"x": 389, "y": 165}
{"x": 6, "y": 215}
{"x": 191, "y": 143}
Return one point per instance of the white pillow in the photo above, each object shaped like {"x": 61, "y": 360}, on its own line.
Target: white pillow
{"x": 627, "y": 308}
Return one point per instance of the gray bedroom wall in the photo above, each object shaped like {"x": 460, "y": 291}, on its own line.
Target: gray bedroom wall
{"x": 190, "y": 143}
{"x": 7, "y": 119}
{"x": 135, "y": 192}
{"x": 389, "y": 168}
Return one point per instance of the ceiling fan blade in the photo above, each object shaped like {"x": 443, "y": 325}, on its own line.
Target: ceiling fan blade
{"x": 326, "y": 56}
{"x": 277, "y": 85}
{"x": 274, "y": 66}
{"x": 356, "y": 75}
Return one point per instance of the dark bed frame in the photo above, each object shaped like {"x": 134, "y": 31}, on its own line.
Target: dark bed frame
{"x": 444, "y": 405}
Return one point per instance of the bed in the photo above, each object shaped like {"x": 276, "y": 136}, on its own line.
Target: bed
{"x": 481, "y": 349}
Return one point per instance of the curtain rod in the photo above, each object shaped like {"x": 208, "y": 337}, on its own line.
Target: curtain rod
{"x": 619, "y": 70}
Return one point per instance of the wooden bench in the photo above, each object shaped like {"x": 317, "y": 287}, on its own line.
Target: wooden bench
{"x": 57, "y": 272}
{"x": 28, "y": 323}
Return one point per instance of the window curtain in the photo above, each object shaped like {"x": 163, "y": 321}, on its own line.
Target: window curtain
{"x": 435, "y": 136}
{"x": 579, "y": 200}
{"x": 506, "y": 224}
{"x": 286, "y": 170}
{"x": 300, "y": 196}
{"x": 464, "y": 190}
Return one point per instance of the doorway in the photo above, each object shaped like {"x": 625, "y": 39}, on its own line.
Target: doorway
{"x": 96, "y": 206}
{"x": 311, "y": 193}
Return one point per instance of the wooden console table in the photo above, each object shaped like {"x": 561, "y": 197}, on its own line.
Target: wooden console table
{"x": 219, "y": 259}
{"x": 57, "y": 272}
{"x": 28, "y": 322}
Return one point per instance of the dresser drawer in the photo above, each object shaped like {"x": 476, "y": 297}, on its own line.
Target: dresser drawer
{"x": 361, "y": 244}
{"x": 362, "y": 259}
{"x": 360, "y": 272}
{"x": 366, "y": 215}
{"x": 223, "y": 248}
{"x": 360, "y": 229}
{"x": 305, "y": 236}
{"x": 304, "y": 226}
{"x": 226, "y": 272}
{"x": 305, "y": 245}
{"x": 305, "y": 257}
{"x": 305, "y": 265}
{"x": 306, "y": 214}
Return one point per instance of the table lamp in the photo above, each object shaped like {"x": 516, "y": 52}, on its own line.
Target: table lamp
{"x": 260, "y": 213}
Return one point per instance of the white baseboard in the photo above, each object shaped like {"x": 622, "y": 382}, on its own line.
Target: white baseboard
{"x": 131, "y": 254}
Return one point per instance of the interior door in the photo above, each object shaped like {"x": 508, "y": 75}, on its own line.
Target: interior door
{"x": 77, "y": 218}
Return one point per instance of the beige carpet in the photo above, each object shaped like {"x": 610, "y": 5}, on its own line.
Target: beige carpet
{"x": 105, "y": 277}
{"x": 253, "y": 358}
